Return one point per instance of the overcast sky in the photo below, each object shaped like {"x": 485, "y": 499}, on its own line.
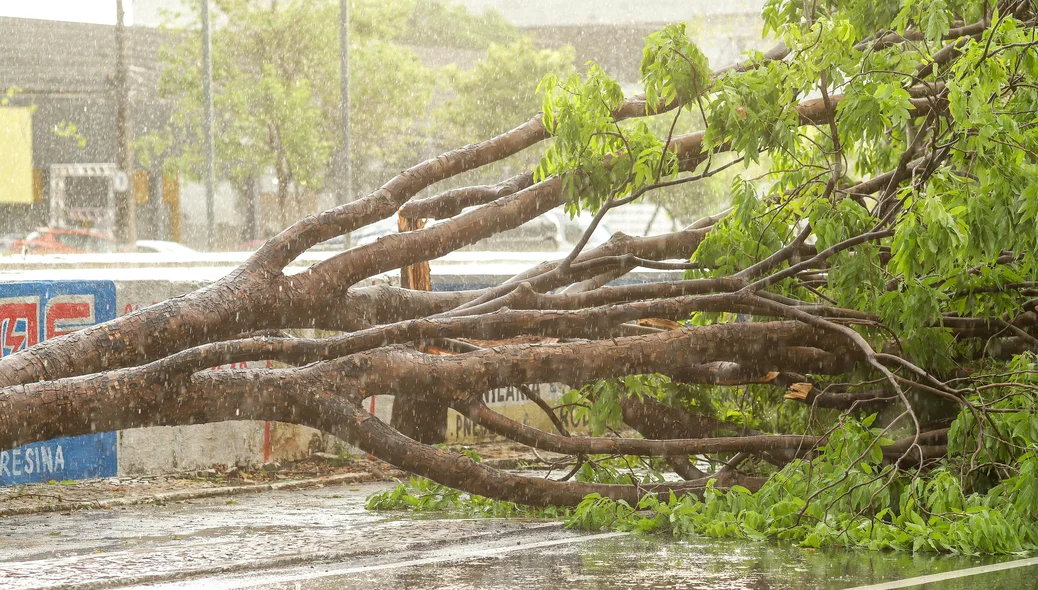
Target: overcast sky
{"x": 85, "y": 11}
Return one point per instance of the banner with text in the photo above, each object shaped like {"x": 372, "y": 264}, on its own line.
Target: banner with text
{"x": 31, "y": 312}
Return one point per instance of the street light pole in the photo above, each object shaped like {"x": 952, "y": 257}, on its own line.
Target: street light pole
{"x": 126, "y": 204}
{"x": 207, "y": 127}
{"x": 346, "y": 194}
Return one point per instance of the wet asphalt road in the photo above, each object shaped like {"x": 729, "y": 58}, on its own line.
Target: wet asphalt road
{"x": 323, "y": 539}
{"x": 104, "y": 548}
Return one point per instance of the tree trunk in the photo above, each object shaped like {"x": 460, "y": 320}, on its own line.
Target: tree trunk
{"x": 422, "y": 420}
{"x": 284, "y": 182}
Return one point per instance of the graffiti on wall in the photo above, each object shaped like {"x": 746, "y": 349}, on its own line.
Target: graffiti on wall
{"x": 31, "y": 312}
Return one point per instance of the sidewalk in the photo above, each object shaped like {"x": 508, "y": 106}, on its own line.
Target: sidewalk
{"x": 319, "y": 470}
{"x": 67, "y": 496}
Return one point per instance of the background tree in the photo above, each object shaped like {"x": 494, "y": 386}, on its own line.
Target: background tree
{"x": 491, "y": 85}
{"x": 276, "y": 94}
{"x": 276, "y": 90}
{"x": 488, "y": 99}
{"x": 850, "y": 359}
{"x": 435, "y": 23}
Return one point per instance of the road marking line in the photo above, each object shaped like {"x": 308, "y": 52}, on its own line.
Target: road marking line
{"x": 932, "y": 578}
{"x": 459, "y": 556}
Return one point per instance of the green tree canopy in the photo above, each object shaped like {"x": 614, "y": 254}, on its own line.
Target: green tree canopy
{"x": 849, "y": 359}
{"x": 276, "y": 89}
{"x": 276, "y": 92}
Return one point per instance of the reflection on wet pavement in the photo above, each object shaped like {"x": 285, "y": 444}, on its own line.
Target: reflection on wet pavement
{"x": 638, "y": 562}
{"x": 324, "y": 539}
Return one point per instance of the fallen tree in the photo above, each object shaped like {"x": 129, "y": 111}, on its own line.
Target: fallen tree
{"x": 885, "y": 261}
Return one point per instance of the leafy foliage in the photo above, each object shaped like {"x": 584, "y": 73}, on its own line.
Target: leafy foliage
{"x": 422, "y": 495}
{"x": 599, "y": 159}
{"x": 930, "y": 105}
{"x": 846, "y": 497}
{"x": 443, "y": 24}
{"x": 276, "y": 88}
{"x": 673, "y": 68}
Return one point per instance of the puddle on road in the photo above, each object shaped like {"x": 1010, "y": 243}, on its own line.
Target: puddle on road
{"x": 661, "y": 563}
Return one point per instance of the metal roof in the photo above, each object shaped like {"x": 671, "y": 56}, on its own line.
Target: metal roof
{"x": 62, "y": 58}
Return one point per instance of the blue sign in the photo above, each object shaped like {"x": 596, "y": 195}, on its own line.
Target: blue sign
{"x": 78, "y": 457}
{"x": 31, "y": 312}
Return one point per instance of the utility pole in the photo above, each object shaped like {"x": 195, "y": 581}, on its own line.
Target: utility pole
{"x": 126, "y": 204}
{"x": 346, "y": 194}
{"x": 207, "y": 127}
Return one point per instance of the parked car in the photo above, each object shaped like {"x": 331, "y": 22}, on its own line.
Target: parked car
{"x": 65, "y": 241}
{"x": 163, "y": 247}
{"x": 8, "y": 241}
{"x": 370, "y": 233}
{"x": 573, "y": 229}
{"x": 249, "y": 246}
{"x": 541, "y": 234}
{"x": 330, "y": 245}
{"x": 553, "y": 231}
{"x": 51, "y": 240}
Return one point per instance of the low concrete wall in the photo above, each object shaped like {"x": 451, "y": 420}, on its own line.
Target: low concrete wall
{"x": 32, "y": 287}
{"x": 248, "y": 443}
{"x": 167, "y": 449}
{"x": 171, "y": 449}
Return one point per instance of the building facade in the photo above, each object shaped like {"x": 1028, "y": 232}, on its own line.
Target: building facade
{"x": 62, "y": 75}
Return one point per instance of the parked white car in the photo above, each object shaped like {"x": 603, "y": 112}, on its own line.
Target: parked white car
{"x": 163, "y": 247}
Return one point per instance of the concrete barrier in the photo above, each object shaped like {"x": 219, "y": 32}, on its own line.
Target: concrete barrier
{"x": 45, "y": 296}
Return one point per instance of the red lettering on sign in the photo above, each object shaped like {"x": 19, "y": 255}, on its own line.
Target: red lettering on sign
{"x": 65, "y": 317}
{"x": 132, "y": 307}
{"x": 19, "y": 326}
{"x": 68, "y": 313}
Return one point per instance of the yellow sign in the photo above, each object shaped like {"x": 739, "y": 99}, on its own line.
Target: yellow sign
{"x": 16, "y": 155}
{"x": 513, "y": 404}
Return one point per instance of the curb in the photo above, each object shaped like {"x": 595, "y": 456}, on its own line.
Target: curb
{"x": 189, "y": 495}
